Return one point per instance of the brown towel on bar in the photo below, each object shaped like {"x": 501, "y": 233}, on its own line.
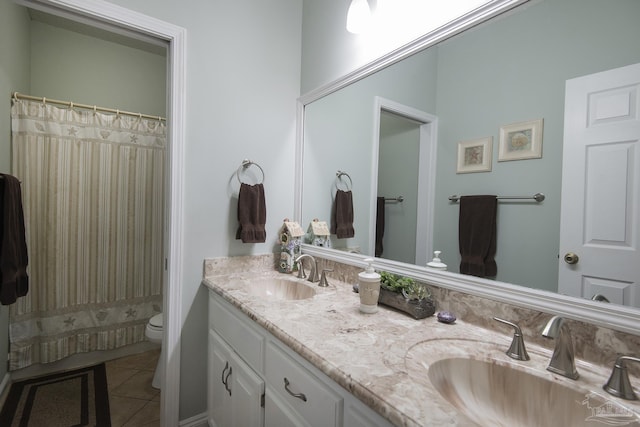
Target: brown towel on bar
{"x": 380, "y": 205}
{"x": 342, "y": 218}
{"x": 252, "y": 214}
{"x": 477, "y": 235}
{"x": 14, "y": 281}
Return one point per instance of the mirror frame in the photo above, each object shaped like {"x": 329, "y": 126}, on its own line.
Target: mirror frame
{"x": 622, "y": 318}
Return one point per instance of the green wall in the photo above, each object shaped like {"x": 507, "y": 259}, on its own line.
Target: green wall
{"x": 338, "y": 135}
{"x": 14, "y": 76}
{"x": 514, "y": 70}
{"x": 90, "y": 67}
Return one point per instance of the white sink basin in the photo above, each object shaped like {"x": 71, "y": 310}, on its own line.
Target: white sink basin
{"x": 279, "y": 289}
{"x": 495, "y": 395}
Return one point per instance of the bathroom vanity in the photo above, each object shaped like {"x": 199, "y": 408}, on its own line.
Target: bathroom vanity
{"x": 254, "y": 379}
{"x": 279, "y": 356}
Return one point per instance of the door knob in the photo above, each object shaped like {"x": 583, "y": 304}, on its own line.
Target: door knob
{"x": 571, "y": 258}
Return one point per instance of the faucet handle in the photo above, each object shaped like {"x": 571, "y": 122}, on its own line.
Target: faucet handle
{"x": 301, "y": 273}
{"x": 517, "y": 349}
{"x": 323, "y": 277}
{"x": 619, "y": 384}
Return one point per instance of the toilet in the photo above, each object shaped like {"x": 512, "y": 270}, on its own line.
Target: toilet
{"x": 154, "y": 332}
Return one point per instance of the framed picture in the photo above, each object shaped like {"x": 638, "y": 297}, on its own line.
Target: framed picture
{"x": 475, "y": 155}
{"x": 521, "y": 141}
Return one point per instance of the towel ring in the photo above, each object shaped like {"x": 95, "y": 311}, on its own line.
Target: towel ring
{"x": 340, "y": 174}
{"x": 244, "y": 166}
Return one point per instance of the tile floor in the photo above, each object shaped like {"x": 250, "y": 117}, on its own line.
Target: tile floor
{"x": 132, "y": 400}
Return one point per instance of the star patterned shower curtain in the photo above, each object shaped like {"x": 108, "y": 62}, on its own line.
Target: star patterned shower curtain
{"x": 93, "y": 199}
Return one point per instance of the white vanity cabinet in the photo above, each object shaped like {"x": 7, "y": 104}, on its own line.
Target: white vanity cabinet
{"x": 256, "y": 380}
{"x": 235, "y": 391}
{"x": 300, "y": 389}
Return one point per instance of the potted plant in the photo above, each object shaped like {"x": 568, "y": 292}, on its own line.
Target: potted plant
{"x": 405, "y": 294}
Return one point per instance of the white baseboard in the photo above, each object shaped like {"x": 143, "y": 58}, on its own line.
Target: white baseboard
{"x": 199, "y": 420}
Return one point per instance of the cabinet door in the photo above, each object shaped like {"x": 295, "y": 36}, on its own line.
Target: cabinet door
{"x": 247, "y": 389}
{"x": 278, "y": 414}
{"x": 301, "y": 389}
{"x": 234, "y": 390}
{"x": 218, "y": 397}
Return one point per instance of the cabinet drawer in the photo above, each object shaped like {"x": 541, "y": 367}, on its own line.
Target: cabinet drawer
{"x": 315, "y": 402}
{"x": 245, "y": 340}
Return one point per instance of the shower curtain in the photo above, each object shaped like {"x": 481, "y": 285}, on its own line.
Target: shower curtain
{"x": 93, "y": 200}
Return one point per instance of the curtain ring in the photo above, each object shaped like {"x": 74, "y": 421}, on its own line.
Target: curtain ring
{"x": 95, "y": 109}
{"x": 44, "y": 100}
{"x": 71, "y": 104}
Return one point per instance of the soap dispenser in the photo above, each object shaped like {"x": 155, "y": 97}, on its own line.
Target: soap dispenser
{"x": 437, "y": 262}
{"x": 369, "y": 288}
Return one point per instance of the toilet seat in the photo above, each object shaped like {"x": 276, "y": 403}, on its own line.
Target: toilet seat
{"x": 154, "y": 329}
{"x": 156, "y": 321}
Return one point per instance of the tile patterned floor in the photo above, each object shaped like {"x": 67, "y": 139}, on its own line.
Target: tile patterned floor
{"x": 132, "y": 400}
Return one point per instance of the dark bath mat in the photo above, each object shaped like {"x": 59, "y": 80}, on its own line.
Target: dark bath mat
{"x": 66, "y": 399}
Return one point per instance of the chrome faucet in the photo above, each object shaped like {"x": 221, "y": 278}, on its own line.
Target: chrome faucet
{"x": 517, "y": 349}
{"x": 313, "y": 274}
{"x": 563, "y": 360}
{"x": 618, "y": 384}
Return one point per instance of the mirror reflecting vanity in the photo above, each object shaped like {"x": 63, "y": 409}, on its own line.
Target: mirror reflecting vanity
{"x": 470, "y": 78}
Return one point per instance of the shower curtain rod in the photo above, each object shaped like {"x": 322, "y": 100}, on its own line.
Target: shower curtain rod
{"x": 71, "y": 104}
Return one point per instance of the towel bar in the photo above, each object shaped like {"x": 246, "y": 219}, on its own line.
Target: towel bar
{"x": 340, "y": 174}
{"x": 538, "y": 197}
{"x": 398, "y": 199}
{"x": 245, "y": 165}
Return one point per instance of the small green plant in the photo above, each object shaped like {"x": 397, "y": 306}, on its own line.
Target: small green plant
{"x": 405, "y": 285}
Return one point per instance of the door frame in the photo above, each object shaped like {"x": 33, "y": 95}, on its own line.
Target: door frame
{"x": 118, "y": 19}
{"x": 426, "y": 173}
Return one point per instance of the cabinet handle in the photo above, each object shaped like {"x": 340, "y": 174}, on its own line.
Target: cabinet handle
{"x": 300, "y": 396}
{"x": 226, "y": 366}
{"x": 226, "y": 381}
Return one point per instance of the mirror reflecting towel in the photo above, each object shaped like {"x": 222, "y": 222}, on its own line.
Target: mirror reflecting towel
{"x": 477, "y": 235}
{"x": 342, "y": 218}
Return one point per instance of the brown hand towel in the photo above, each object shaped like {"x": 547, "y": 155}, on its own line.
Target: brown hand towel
{"x": 14, "y": 281}
{"x": 380, "y": 205}
{"x": 342, "y": 218}
{"x": 477, "y": 235}
{"x": 252, "y": 214}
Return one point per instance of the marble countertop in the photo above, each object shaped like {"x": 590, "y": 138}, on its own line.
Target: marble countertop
{"x": 383, "y": 358}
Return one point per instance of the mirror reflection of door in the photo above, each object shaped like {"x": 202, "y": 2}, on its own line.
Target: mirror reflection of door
{"x": 599, "y": 215}
{"x": 398, "y": 165}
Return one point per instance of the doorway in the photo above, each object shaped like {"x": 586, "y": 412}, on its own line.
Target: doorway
{"x": 403, "y": 182}
{"x": 133, "y": 24}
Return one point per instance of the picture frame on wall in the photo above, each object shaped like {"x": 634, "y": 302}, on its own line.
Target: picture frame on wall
{"x": 475, "y": 155}
{"x": 519, "y": 141}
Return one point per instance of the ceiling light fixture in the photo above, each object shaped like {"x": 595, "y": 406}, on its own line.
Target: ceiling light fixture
{"x": 358, "y": 16}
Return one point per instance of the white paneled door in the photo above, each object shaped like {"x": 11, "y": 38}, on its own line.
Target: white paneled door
{"x": 600, "y": 218}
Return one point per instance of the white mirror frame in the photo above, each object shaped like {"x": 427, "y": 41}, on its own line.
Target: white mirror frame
{"x": 625, "y": 319}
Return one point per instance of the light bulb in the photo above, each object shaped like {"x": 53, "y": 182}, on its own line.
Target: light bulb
{"x": 358, "y": 16}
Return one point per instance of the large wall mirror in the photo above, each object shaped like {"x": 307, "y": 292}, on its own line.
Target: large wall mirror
{"x": 511, "y": 68}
